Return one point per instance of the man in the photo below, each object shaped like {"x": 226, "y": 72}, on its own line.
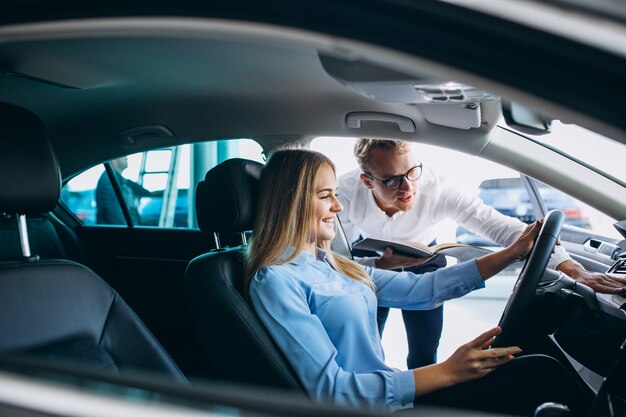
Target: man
{"x": 107, "y": 204}
{"x": 392, "y": 196}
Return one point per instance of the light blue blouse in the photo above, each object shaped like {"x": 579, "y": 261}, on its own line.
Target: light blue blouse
{"x": 325, "y": 323}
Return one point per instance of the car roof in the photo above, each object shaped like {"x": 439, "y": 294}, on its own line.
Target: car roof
{"x": 178, "y": 73}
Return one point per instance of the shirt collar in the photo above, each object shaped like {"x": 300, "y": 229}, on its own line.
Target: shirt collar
{"x": 381, "y": 212}
{"x": 306, "y": 256}
{"x": 321, "y": 254}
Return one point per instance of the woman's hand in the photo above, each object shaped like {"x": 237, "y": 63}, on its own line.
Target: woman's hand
{"x": 524, "y": 243}
{"x": 490, "y": 265}
{"x": 471, "y": 361}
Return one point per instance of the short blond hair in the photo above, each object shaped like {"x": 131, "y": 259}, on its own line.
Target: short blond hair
{"x": 363, "y": 149}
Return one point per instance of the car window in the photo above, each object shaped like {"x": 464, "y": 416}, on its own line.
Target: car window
{"x": 477, "y": 177}
{"x": 578, "y": 213}
{"x": 500, "y": 187}
{"x": 464, "y": 172}
{"x": 596, "y": 150}
{"x": 508, "y": 196}
{"x": 157, "y": 187}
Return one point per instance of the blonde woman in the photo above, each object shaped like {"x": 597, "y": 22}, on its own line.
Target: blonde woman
{"x": 321, "y": 308}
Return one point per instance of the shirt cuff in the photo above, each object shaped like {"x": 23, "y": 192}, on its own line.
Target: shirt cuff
{"x": 404, "y": 389}
{"x": 366, "y": 261}
{"x": 470, "y": 275}
{"x": 559, "y": 255}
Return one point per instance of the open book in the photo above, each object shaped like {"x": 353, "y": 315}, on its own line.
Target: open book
{"x": 460, "y": 251}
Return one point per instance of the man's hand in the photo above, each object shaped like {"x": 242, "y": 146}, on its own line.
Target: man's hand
{"x": 597, "y": 281}
{"x": 390, "y": 260}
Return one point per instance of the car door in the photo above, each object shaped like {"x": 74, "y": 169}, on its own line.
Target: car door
{"x": 585, "y": 234}
{"x": 135, "y": 220}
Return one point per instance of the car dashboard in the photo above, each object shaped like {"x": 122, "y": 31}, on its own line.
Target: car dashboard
{"x": 589, "y": 326}
{"x": 616, "y": 300}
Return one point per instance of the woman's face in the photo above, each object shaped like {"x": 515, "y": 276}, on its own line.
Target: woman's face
{"x": 326, "y": 204}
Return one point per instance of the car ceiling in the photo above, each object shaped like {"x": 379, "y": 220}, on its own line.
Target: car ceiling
{"x": 247, "y": 79}
{"x": 89, "y": 90}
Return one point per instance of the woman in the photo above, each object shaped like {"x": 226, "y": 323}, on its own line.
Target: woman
{"x": 321, "y": 308}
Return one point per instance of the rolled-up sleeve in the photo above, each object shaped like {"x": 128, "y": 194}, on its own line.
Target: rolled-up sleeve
{"x": 282, "y": 306}
{"x": 473, "y": 214}
{"x": 411, "y": 291}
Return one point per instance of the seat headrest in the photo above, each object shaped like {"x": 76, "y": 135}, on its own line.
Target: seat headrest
{"x": 29, "y": 174}
{"x": 226, "y": 199}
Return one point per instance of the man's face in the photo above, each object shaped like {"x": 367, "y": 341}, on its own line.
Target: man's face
{"x": 386, "y": 163}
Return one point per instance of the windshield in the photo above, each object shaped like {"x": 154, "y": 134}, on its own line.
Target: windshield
{"x": 596, "y": 150}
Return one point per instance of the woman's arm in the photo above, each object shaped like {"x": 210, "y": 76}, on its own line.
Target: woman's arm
{"x": 281, "y": 304}
{"x": 411, "y": 291}
{"x": 470, "y": 361}
{"x": 490, "y": 265}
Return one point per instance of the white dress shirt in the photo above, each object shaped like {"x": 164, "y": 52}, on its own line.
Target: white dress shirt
{"x": 434, "y": 201}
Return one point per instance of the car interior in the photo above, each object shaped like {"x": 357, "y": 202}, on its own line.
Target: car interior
{"x": 57, "y": 308}
{"x": 214, "y": 284}
{"x": 115, "y": 302}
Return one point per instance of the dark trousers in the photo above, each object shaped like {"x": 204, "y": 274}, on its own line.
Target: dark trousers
{"x": 423, "y": 327}
{"x": 518, "y": 387}
{"x": 423, "y": 331}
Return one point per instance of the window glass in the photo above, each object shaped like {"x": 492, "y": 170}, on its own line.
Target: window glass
{"x": 156, "y": 185}
{"x": 79, "y": 195}
{"x": 578, "y": 213}
{"x": 599, "y": 151}
{"x": 508, "y": 196}
{"x": 500, "y": 187}
{"x": 155, "y": 181}
{"x": 158, "y": 161}
{"x": 459, "y": 170}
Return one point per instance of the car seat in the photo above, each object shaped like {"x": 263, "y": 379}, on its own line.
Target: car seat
{"x": 58, "y": 309}
{"x": 236, "y": 345}
{"x": 43, "y": 239}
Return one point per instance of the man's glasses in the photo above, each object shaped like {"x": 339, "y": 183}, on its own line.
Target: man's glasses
{"x": 395, "y": 182}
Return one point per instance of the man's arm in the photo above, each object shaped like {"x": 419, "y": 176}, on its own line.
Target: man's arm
{"x": 138, "y": 190}
{"x": 484, "y": 220}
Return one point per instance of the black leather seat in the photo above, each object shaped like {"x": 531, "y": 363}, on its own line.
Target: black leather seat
{"x": 58, "y": 309}
{"x": 236, "y": 345}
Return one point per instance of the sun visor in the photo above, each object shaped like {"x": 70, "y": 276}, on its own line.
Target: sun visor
{"x": 442, "y": 102}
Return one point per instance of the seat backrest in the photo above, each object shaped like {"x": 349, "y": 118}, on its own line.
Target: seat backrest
{"x": 58, "y": 309}
{"x": 236, "y": 345}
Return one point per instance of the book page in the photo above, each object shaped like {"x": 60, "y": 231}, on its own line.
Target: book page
{"x": 460, "y": 251}
{"x": 403, "y": 248}
{"x": 464, "y": 252}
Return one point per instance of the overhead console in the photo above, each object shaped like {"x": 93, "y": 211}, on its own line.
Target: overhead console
{"x": 442, "y": 102}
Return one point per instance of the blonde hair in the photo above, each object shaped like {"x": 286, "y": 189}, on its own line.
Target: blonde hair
{"x": 363, "y": 148}
{"x": 285, "y": 214}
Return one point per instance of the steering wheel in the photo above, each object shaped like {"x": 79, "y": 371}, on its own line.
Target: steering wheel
{"x": 517, "y": 308}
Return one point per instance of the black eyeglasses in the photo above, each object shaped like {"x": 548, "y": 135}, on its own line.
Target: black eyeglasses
{"x": 395, "y": 182}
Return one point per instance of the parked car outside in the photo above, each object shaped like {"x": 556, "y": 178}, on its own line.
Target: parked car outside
{"x": 510, "y": 197}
